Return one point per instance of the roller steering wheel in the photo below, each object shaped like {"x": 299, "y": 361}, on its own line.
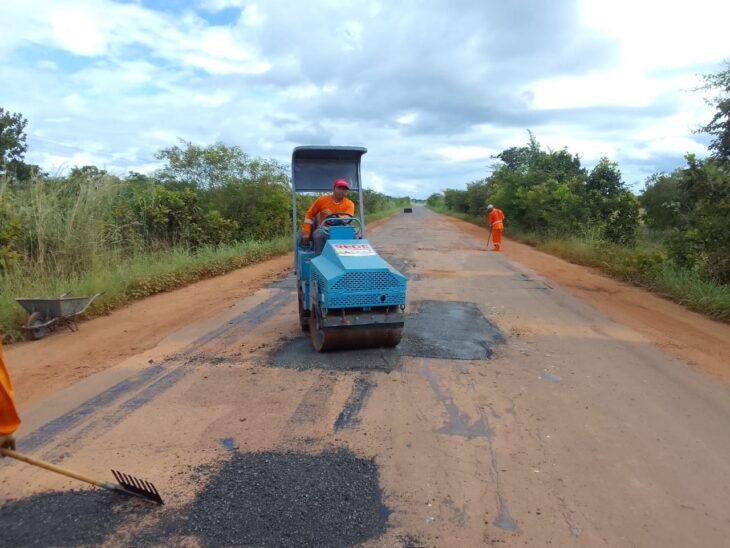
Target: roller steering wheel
{"x": 344, "y": 219}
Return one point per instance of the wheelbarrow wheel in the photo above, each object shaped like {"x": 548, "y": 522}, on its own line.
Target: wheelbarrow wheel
{"x": 34, "y": 324}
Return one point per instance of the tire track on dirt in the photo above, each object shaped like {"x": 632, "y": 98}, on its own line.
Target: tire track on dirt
{"x": 99, "y": 412}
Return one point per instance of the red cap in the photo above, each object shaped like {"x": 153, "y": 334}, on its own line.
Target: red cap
{"x": 342, "y": 183}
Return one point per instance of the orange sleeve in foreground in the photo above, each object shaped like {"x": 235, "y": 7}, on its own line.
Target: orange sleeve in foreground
{"x": 9, "y": 420}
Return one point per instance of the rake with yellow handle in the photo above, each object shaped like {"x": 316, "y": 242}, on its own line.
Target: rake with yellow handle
{"x": 127, "y": 484}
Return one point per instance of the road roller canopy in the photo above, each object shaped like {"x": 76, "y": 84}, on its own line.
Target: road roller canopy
{"x": 316, "y": 168}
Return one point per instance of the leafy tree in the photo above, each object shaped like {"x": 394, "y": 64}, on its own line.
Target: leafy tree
{"x": 539, "y": 165}
{"x": 553, "y": 207}
{"x": 703, "y": 239}
{"x": 169, "y": 216}
{"x": 611, "y": 203}
{"x": 210, "y": 167}
{"x": 218, "y": 229}
{"x": 662, "y": 201}
{"x": 435, "y": 200}
{"x": 12, "y": 141}
{"x": 253, "y": 193}
{"x": 551, "y": 192}
{"x": 456, "y": 200}
{"x": 719, "y": 126}
{"x": 516, "y": 158}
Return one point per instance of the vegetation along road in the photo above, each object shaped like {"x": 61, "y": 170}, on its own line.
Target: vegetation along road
{"x": 531, "y": 402}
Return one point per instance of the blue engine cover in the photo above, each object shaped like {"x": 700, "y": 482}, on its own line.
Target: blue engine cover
{"x": 350, "y": 274}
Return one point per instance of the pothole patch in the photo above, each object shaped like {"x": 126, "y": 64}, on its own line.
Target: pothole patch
{"x": 281, "y": 499}
{"x": 298, "y": 354}
{"x": 67, "y": 518}
{"x": 450, "y": 330}
{"x": 253, "y": 499}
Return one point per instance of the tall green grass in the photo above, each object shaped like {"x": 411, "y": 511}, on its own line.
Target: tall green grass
{"x": 126, "y": 280}
{"x": 125, "y": 277}
{"x": 68, "y": 226}
{"x": 645, "y": 265}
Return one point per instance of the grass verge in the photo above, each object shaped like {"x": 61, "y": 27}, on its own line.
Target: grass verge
{"x": 134, "y": 278}
{"x": 645, "y": 266}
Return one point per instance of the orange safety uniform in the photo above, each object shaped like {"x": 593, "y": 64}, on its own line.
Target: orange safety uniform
{"x": 9, "y": 420}
{"x": 326, "y": 206}
{"x": 496, "y": 222}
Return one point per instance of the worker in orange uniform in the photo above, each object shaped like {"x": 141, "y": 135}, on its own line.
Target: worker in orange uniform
{"x": 9, "y": 420}
{"x": 325, "y": 206}
{"x": 496, "y": 225}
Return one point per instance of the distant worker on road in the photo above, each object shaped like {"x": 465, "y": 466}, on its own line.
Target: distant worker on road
{"x": 496, "y": 225}
{"x": 326, "y": 206}
{"x": 9, "y": 420}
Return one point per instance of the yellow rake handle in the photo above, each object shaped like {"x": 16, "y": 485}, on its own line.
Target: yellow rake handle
{"x": 53, "y": 468}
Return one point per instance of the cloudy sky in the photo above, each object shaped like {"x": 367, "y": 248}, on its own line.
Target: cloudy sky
{"x": 432, "y": 88}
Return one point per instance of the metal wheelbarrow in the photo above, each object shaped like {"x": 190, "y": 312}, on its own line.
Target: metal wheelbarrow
{"x": 45, "y": 315}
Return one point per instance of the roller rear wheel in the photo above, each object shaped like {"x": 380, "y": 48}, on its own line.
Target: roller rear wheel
{"x": 345, "y": 338}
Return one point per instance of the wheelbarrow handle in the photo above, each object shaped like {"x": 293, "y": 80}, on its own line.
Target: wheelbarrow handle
{"x": 88, "y": 304}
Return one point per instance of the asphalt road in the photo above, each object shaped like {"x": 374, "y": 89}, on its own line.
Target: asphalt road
{"x": 512, "y": 413}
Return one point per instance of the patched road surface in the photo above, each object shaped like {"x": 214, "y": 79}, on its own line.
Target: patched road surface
{"x": 512, "y": 413}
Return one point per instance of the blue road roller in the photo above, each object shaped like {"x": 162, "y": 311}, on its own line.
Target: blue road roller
{"x": 349, "y": 296}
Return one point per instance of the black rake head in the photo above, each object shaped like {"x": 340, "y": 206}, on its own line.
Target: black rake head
{"x": 138, "y": 487}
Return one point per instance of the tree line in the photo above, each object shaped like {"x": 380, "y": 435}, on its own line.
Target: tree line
{"x": 202, "y": 195}
{"x": 551, "y": 193}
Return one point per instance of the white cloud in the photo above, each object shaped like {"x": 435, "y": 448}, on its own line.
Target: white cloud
{"x": 253, "y": 16}
{"x": 75, "y": 103}
{"x": 60, "y": 164}
{"x": 660, "y": 34}
{"x": 432, "y": 91}
{"x": 47, "y": 65}
{"x": 676, "y": 146}
{"x": 619, "y": 87}
{"x": 76, "y": 30}
{"x": 597, "y": 89}
{"x": 466, "y": 153}
{"x": 349, "y": 35}
{"x": 212, "y": 100}
{"x": 307, "y": 91}
{"x": 218, "y": 5}
{"x": 407, "y": 119}
{"x": 105, "y": 28}
{"x": 160, "y": 135}
{"x": 373, "y": 181}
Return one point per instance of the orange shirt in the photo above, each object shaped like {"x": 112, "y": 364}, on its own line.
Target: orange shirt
{"x": 326, "y": 206}
{"x": 495, "y": 219}
{"x": 9, "y": 420}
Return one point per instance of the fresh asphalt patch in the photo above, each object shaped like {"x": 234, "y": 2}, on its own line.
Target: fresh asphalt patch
{"x": 448, "y": 330}
{"x": 68, "y": 518}
{"x": 298, "y": 354}
{"x": 253, "y": 499}
{"x": 280, "y": 499}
